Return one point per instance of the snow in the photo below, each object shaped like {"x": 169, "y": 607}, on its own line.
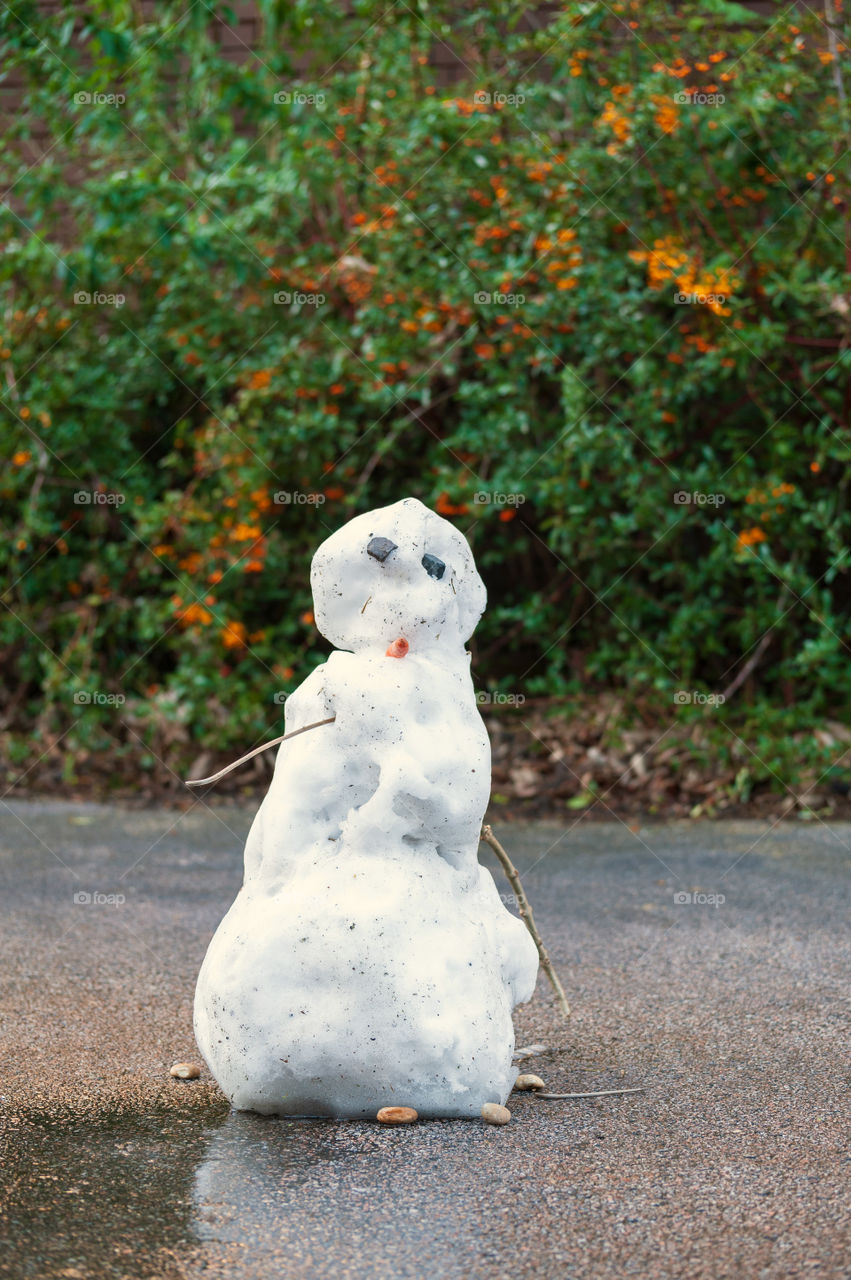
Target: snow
{"x": 368, "y": 960}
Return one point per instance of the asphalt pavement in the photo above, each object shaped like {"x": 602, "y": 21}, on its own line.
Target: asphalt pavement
{"x": 706, "y": 962}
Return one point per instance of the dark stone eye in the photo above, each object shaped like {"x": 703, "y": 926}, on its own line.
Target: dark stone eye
{"x": 380, "y": 548}
{"x": 433, "y": 567}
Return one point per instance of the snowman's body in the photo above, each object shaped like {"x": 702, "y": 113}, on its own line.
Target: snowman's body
{"x": 368, "y": 960}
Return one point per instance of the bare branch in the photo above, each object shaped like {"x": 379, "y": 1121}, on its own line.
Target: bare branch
{"x": 526, "y": 915}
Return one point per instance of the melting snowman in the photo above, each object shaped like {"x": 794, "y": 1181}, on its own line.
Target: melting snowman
{"x": 368, "y": 960}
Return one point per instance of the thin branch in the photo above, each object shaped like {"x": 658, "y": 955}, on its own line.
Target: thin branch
{"x": 203, "y": 782}
{"x": 599, "y": 1093}
{"x": 526, "y": 915}
{"x": 833, "y": 343}
{"x": 752, "y": 661}
{"x": 830, "y": 18}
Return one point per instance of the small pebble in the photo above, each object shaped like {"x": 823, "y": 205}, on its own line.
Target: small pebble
{"x": 493, "y": 1113}
{"x": 397, "y": 1115}
{"x": 529, "y": 1051}
{"x": 185, "y": 1071}
{"x": 528, "y": 1082}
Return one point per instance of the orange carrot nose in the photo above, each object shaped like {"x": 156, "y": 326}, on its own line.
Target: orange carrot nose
{"x": 397, "y": 649}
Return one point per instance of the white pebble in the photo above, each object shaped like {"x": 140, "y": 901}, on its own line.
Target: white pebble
{"x": 529, "y": 1051}
{"x": 185, "y": 1071}
{"x": 528, "y": 1082}
{"x": 493, "y": 1113}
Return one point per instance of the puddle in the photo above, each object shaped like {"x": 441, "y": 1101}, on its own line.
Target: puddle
{"x": 307, "y": 1198}
{"x": 162, "y": 1193}
{"x": 107, "y": 1197}
{"x": 211, "y": 1192}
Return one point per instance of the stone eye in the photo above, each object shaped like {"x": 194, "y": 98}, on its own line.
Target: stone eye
{"x": 434, "y": 568}
{"x": 380, "y": 548}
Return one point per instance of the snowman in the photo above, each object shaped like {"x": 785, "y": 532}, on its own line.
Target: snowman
{"x": 368, "y": 960}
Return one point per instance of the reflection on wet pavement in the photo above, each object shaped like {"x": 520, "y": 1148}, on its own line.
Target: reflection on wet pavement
{"x": 162, "y": 1194}
{"x": 312, "y": 1198}
{"x": 108, "y": 1197}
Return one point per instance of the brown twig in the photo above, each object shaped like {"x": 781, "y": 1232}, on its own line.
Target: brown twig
{"x": 752, "y": 662}
{"x": 598, "y": 1093}
{"x": 203, "y": 782}
{"x": 526, "y": 915}
{"x": 831, "y": 21}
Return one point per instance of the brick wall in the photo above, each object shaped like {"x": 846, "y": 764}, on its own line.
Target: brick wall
{"x": 239, "y": 39}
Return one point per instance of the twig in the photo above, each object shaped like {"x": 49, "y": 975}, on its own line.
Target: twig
{"x": 752, "y": 662}
{"x": 526, "y": 915}
{"x": 203, "y": 782}
{"x": 598, "y": 1093}
{"x": 749, "y": 665}
{"x": 830, "y": 18}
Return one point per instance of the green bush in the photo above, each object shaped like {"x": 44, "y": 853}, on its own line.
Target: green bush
{"x": 565, "y": 180}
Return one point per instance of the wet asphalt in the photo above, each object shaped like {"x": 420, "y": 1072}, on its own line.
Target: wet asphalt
{"x": 731, "y": 1008}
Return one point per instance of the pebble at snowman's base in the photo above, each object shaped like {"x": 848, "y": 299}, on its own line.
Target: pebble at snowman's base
{"x": 368, "y": 960}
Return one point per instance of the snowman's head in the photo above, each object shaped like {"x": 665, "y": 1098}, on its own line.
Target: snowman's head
{"x": 398, "y": 572}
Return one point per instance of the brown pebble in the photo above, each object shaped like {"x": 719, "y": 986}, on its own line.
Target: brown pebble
{"x": 397, "y": 1115}
{"x": 528, "y": 1082}
{"x": 185, "y": 1071}
{"x": 493, "y": 1113}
